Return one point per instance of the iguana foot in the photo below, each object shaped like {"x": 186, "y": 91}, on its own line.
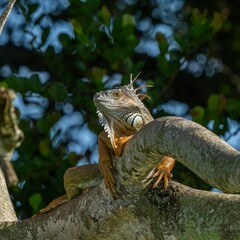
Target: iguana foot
{"x": 161, "y": 171}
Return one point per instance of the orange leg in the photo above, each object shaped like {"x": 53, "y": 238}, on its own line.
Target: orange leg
{"x": 161, "y": 171}
{"x": 105, "y": 162}
{"x": 106, "y": 153}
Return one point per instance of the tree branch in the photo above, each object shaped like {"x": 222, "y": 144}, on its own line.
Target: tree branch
{"x": 203, "y": 152}
{"x": 8, "y": 170}
{"x": 180, "y": 212}
{"x": 7, "y": 213}
{"x": 11, "y": 137}
{"x": 6, "y": 12}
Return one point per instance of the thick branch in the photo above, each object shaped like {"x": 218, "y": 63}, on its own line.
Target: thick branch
{"x": 156, "y": 215}
{"x": 6, "y": 12}
{"x": 7, "y": 213}
{"x": 179, "y": 213}
{"x": 8, "y": 170}
{"x": 199, "y": 149}
{"x": 11, "y": 137}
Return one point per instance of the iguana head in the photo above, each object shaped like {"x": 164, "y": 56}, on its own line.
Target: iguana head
{"x": 11, "y": 135}
{"x": 121, "y": 111}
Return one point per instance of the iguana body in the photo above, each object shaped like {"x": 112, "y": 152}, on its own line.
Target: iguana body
{"x": 122, "y": 114}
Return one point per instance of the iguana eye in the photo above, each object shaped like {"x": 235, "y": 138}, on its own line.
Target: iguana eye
{"x": 135, "y": 121}
{"x": 117, "y": 94}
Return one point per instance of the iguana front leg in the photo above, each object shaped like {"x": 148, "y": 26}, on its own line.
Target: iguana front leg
{"x": 106, "y": 155}
{"x": 161, "y": 171}
{"x": 107, "y": 152}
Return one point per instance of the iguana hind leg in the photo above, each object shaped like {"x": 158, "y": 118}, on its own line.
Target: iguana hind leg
{"x": 76, "y": 180}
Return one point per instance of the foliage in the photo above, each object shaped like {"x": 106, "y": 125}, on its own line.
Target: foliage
{"x": 188, "y": 52}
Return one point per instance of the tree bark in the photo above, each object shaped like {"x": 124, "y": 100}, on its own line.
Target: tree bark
{"x": 203, "y": 152}
{"x": 178, "y": 213}
{"x": 7, "y": 213}
{"x": 10, "y": 175}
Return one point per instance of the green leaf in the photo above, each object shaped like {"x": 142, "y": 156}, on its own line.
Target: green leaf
{"x": 23, "y": 85}
{"x": 44, "y": 147}
{"x": 97, "y": 73}
{"x": 127, "y": 20}
{"x": 44, "y": 124}
{"x": 57, "y": 91}
{"x": 104, "y": 16}
{"x": 213, "y": 103}
{"x": 35, "y": 201}
{"x": 163, "y": 43}
{"x": 3, "y": 84}
{"x": 198, "y": 114}
{"x": 233, "y": 108}
{"x": 217, "y": 21}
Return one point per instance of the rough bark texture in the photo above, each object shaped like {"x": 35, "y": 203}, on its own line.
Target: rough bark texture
{"x": 7, "y": 213}
{"x": 10, "y": 175}
{"x": 197, "y": 148}
{"x": 178, "y": 213}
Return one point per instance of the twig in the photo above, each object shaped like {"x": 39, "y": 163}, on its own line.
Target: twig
{"x": 5, "y": 13}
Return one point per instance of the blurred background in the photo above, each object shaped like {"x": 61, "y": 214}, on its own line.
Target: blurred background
{"x": 56, "y": 54}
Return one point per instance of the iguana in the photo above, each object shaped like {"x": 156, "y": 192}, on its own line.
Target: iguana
{"x": 11, "y": 136}
{"x": 122, "y": 114}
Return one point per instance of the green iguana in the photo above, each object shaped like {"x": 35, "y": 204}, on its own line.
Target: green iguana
{"x": 122, "y": 114}
{"x": 11, "y": 136}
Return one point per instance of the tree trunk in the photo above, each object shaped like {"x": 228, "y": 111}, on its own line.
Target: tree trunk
{"x": 7, "y": 213}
